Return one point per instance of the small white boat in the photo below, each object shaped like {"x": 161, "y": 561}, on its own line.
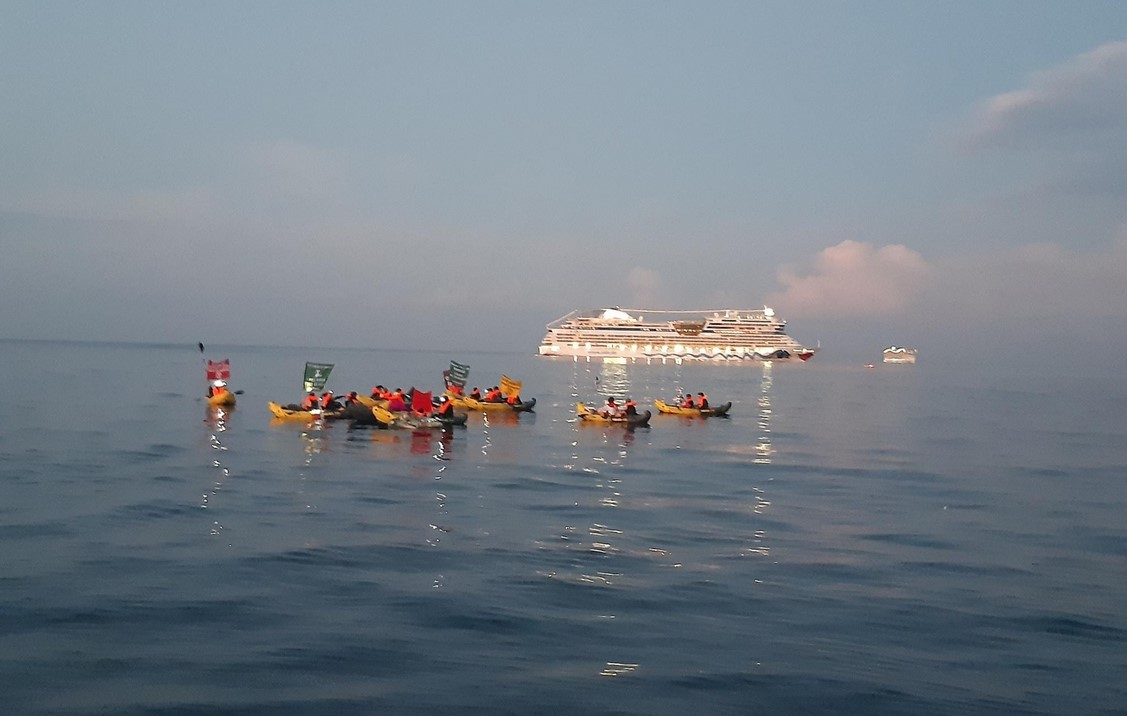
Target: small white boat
{"x": 893, "y": 354}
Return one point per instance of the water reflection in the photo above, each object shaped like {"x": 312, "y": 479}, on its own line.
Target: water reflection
{"x": 614, "y": 381}
{"x": 617, "y": 668}
{"x": 216, "y": 419}
{"x": 444, "y": 446}
{"x": 503, "y": 417}
{"x": 599, "y": 457}
{"x": 314, "y": 444}
{"x": 764, "y": 452}
{"x": 763, "y": 448}
{"x": 387, "y": 437}
{"x": 442, "y": 452}
{"x": 584, "y": 382}
{"x": 420, "y": 442}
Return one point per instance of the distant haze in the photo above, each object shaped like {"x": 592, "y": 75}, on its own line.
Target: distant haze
{"x": 455, "y": 175}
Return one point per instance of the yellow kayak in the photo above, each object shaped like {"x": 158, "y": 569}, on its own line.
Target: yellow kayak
{"x": 225, "y": 399}
{"x": 371, "y": 402}
{"x": 283, "y": 413}
{"x": 717, "y": 412}
{"x": 468, "y": 403}
{"x": 588, "y": 415}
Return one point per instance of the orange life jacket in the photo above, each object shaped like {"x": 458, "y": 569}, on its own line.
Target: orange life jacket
{"x": 446, "y": 409}
{"x": 688, "y": 402}
{"x": 326, "y": 399}
{"x": 513, "y": 399}
{"x": 702, "y": 400}
{"x": 309, "y": 403}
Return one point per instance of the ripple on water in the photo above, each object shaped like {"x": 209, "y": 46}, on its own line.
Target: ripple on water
{"x": 152, "y": 510}
{"x": 155, "y": 451}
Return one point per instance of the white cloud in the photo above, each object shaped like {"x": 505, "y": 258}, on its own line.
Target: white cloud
{"x": 854, "y": 279}
{"x": 1049, "y": 158}
{"x": 1040, "y": 285}
{"x": 1081, "y": 100}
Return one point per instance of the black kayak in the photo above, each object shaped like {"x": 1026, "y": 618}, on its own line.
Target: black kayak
{"x": 525, "y": 406}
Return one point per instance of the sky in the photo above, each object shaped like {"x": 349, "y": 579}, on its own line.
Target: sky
{"x": 454, "y": 175}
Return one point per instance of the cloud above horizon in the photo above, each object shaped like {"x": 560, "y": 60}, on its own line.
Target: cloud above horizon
{"x": 1042, "y": 282}
{"x": 1084, "y": 96}
{"x": 854, "y": 278}
{"x": 1066, "y": 129}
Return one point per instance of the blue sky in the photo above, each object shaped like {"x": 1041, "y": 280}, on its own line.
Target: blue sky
{"x": 455, "y": 175}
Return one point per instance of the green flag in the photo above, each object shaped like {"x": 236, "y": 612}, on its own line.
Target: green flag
{"x": 316, "y": 375}
{"x": 457, "y": 374}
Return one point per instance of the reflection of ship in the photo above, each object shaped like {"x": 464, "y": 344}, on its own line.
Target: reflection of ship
{"x": 892, "y": 354}
{"x": 619, "y": 335}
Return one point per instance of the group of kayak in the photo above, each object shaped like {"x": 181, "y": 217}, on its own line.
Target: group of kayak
{"x": 627, "y": 414}
{"x": 416, "y": 410}
{"x": 383, "y": 408}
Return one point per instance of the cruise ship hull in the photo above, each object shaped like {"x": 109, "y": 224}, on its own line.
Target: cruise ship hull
{"x": 625, "y": 336}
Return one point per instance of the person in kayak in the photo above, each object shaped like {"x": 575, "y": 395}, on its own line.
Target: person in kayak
{"x": 688, "y": 402}
{"x": 610, "y": 410}
{"x": 631, "y": 408}
{"x": 445, "y": 409}
{"x": 396, "y": 402}
{"x": 217, "y": 387}
{"x": 475, "y": 393}
{"x": 310, "y": 402}
{"x": 702, "y": 401}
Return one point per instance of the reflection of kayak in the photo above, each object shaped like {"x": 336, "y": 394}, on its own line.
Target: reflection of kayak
{"x": 588, "y": 415}
{"x": 408, "y": 421}
{"x": 283, "y": 413}
{"x": 719, "y": 411}
{"x": 467, "y": 403}
{"x": 224, "y": 399}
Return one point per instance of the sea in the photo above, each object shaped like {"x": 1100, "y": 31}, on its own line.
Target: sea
{"x": 938, "y": 538}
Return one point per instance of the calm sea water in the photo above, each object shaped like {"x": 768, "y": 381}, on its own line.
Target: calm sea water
{"x": 935, "y": 539}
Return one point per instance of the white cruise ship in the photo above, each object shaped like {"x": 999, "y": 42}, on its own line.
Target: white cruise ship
{"x": 620, "y": 335}
{"x": 892, "y": 354}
